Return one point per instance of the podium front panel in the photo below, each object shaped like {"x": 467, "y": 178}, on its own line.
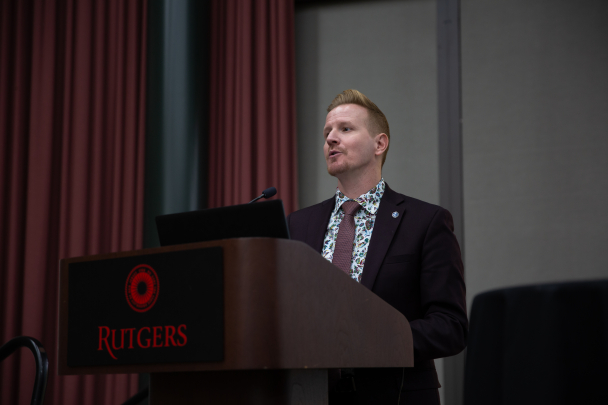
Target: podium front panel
{"x": 148, "y": 309}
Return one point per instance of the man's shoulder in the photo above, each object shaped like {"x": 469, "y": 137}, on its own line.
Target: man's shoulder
{"x": 412, "y": 203}
{"x": 306, "y": 224}
{"x": 421, "y": 214}
{"x": 305, "y": 213}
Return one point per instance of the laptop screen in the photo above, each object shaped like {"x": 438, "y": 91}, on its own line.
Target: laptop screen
{"x": 261, "y": 219}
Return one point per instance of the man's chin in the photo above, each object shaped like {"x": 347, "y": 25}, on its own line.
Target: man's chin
{"x": 336, "y": 170}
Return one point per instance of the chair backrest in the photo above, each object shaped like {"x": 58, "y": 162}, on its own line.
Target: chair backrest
{"x": 42, "y": 363}
{"x": 540, "y": 344}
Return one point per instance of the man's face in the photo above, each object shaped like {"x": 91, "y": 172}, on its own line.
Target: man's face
{"x": 349, "y": 148}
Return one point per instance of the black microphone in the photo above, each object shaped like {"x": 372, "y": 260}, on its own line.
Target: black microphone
{"x": 269, "y": 192}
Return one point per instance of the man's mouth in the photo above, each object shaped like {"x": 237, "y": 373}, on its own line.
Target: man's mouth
{"x": 333, "y": 153}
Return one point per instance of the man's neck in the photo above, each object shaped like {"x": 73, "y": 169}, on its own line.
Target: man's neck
{"x": 353, "y": 187}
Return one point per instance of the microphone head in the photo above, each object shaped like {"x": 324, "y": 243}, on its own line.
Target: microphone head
{"x": 269, "y": 192}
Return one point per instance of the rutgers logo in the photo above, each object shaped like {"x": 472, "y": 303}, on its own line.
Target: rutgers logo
{"x": 141, "y": 291}
{"x": 142, "y": 288}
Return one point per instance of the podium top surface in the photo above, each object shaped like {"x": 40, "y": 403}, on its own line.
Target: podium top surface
{"x": 285, "y": 307}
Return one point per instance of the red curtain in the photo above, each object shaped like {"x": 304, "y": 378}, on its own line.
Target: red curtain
{"x": 72, "y": 110}
{"x": 252, "y": 140}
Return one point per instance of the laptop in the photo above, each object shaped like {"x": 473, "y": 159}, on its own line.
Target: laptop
{"x": 261, "y": 219}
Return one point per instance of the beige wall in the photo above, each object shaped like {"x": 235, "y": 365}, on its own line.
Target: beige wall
{"x": 535, "y": 119}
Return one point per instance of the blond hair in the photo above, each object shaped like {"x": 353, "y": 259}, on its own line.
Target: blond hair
{"x": 376, "y": 123}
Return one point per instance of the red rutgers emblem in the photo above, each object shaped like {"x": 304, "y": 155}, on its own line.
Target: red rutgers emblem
{"x": 142, "y": 288}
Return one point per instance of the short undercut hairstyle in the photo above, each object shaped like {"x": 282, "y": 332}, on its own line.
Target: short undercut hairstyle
{"x": 376, "y": 123}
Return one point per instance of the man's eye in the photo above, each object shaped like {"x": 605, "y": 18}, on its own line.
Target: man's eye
{"x": 346, "y": 129}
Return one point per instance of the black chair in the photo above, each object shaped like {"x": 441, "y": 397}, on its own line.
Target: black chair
{"x": 540, "y": 344}
{"x": 42, "y": 363}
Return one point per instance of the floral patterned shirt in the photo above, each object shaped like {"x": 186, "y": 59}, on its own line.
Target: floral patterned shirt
{"x": 364, "y": 225}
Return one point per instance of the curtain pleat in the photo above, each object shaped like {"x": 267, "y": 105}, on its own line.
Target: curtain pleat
{"x": 252, "y": 140}
{"x": 72, "y": 113}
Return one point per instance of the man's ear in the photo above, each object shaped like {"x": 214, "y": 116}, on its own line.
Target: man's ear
{"x": 381, "y": 143}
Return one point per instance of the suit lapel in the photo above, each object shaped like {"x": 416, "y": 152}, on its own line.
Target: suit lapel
{"x": 317, "y": 226}
{"x": 384, "y": 230}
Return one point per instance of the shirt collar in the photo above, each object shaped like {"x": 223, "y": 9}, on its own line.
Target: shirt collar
{"x": 369, "y": 201}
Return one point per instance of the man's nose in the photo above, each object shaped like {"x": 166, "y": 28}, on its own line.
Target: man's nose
{"x": 332, "y": 138}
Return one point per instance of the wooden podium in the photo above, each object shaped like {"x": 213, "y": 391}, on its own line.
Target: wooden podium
{"x": 289, "y": 315}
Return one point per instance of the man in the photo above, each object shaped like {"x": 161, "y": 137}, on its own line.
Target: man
{"x": 402, "y": 249}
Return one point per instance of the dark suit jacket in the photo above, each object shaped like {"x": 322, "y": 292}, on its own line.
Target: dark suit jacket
{"x": 413, "y": 262}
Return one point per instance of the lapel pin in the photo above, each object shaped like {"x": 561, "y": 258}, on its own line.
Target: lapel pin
{"x": 395, "y": 214}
